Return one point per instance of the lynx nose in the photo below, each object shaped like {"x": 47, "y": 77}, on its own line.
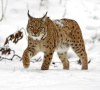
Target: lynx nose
{"x": 35, "y": 34}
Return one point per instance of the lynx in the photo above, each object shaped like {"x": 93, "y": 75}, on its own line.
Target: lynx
{"x": 48, "y": 36}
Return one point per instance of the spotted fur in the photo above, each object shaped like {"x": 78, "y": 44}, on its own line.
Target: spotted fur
{"x": 48, "y": 36}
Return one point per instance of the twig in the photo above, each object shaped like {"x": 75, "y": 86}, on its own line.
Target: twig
{"x": 25, "y": 32}
{"x": 60, "y": 1}
{"x": 40, "y": 4}
{"x": 36, "y": 60}
{"x": 3, "y": 10}
{"x": 64, "y": 11}
{"x": 12, "y": 56}
{"x": 80, "y": 62}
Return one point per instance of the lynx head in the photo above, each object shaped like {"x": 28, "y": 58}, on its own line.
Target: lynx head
{"x": 36, "y": 27}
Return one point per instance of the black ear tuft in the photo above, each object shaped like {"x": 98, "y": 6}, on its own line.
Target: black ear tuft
{"x": 44, "y": 17}
{"x": 28, "y": 12}
{"x": 29, "y": 16}
{"x": 46, "y": 13}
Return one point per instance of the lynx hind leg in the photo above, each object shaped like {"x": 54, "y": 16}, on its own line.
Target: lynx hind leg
{"x": 78, "y": 46}
{"x": 64, "y": 60}
{"x": 81, "y": 53}
{"x": 62, "y": 53}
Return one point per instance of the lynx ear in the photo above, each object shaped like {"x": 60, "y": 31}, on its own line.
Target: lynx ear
{"x": 44, "y": 17}
{"x": 29, "y": 16}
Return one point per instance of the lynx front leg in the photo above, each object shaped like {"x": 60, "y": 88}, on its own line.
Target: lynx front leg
{"x": 28, "y": 53}
{"x": 47, "y": 61}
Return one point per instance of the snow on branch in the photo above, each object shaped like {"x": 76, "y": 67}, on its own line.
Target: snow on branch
{"x": 14, "y": 37}
{"x": 7, "y": 53}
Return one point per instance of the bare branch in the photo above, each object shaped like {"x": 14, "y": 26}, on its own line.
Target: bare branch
{"x": 7, "y": 51}
{"x": 64, "y": 11}
{"x": 36, "y": 60}
{"x": 60, "y": 1}
{"x": 3, "y": 9}
{"x": 80, "y": 62}
{"x": 40, "y": 4}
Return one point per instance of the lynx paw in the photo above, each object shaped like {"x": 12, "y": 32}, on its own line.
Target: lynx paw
{"x": 44, "y": 68}
{"x": 84, "y": 67}
{"x": 26, "y": 65}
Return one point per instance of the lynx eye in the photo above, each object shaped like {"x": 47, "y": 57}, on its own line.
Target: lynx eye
{"x": 31, "y": 27}
{"x": 40, "y": 28}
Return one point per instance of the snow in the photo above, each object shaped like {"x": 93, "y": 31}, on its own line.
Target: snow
{"x": 58, "y": 23}
{"x": 12, "y": 74}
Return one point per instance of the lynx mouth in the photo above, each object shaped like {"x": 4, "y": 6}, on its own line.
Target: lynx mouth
{"x": 38, "y": 37}
{"x": 35, "y": 35}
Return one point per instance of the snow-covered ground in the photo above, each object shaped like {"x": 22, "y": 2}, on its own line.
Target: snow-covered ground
{"x": 12, "y": 74}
